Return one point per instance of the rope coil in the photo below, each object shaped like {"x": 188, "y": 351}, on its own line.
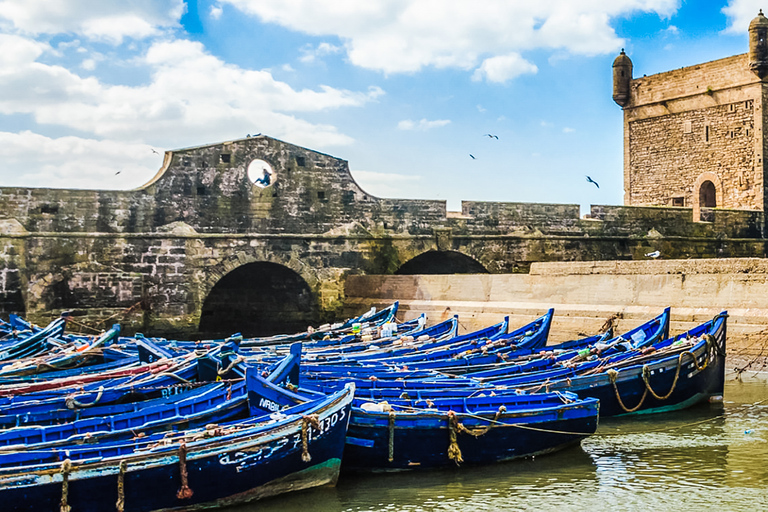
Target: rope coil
{"x": 305, "y": 422}
{"x": 184, "y": 493}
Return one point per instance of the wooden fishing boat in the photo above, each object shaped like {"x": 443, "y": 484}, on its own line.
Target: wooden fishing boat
{"x": 33, "y": 342}
{"x": 452, "y": 431}
{"x": 221, "y": 465}
{"x": 675, "y": 374}
{"x": 669, "y": 374}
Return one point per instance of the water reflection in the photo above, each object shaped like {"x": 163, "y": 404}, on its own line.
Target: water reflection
{"x": 712, "y": 457}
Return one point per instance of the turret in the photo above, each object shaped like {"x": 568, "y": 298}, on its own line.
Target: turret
{"x": 622, "y": 75}
{"x": 758, "y": 45}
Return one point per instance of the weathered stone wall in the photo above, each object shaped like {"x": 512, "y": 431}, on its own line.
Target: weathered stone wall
{"x": 718, "y": 139}
{"x": 150, "y": 257}
{"x": 585, "y": 294}
{"x": 696, "y": 124}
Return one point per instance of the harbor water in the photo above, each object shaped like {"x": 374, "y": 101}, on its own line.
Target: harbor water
{"x": 709, "y": 457}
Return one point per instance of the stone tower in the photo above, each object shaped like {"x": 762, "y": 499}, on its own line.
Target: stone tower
{"x": 693, "y": 137}
{"x": 758, "y": 46}
{"x": 622, "y": 76}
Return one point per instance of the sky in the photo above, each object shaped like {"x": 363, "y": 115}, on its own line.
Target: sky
{"x": 500, "y": 100}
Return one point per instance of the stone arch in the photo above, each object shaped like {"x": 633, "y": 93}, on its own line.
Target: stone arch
{"x": 702, "y": 194}
{"x": 442, "y": 262}
{"x": 258, "y": 298}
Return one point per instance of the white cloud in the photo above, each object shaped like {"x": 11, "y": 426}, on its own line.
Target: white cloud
{"x": 740, "y": 13}
{"x": 504, "y": 68}
{"x": 422, "y": 125}
{"x": 216, "y": 12}
{"x": 105, "y": 20}
{"x": 311, "y": 53}
{"x": 74, "y": 162}
{"x": 191, "y": 96}
{"x": 568, "y": 130}
{"x": 395, "y": 36}
{"x": 384, "y": 184}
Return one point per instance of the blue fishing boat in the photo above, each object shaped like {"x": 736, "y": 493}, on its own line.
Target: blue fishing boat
{"x": 299, "y": 447}
{"x": 673, "y": 374}
{"x": 451, "y": 431}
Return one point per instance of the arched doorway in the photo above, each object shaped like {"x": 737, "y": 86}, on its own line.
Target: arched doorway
{"x": 707, "y": 195}
{"x": 258, "y": 299}
{"x": 441, "y": 262}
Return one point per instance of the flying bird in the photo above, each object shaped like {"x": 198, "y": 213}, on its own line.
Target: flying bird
{"x": 472, "y": 156}
{"x": 118, "y": 172}
{"x": 592, "y": 181}
{"x": 492, "y": 136}
{"x": 654, "y": 254}
{"x": 154, "y": 151}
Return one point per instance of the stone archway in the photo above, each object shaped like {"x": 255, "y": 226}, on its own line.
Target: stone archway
{"x": 707, "y": 193}
{"x": 258, "y": 299}
{"x": 442, "y": 262}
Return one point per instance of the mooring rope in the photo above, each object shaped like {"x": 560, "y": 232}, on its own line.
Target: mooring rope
{"x": 173, "y": 375}
{"x": 231, "y": 365}
{"x": 306, "y": 421}
{"x": 391, "y": 442}
{"x": 496, "y": 422}
{"x": 66, "y": 467}
{"x": 120, "y": 505}
{"x": 612, "y": 375}
{"x": 684, "y": 425}
{"x": 184, "y": 492}
{"x": 71, "y": 320}
{"x": 646, "y": 375}
{"x": 72, "y": 402}
{"x": 454, "y": 452}
{"x": 477, "y": 432}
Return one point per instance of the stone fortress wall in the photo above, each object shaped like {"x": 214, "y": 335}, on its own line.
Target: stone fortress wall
{"x": 694, "y": 124}
{"x": 155, "y": 258}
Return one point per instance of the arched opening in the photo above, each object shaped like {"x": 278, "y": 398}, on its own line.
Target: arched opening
{"x": 707, "y": 195}
{"x": 441, "y": 262}
{"x": 258, "y": 299}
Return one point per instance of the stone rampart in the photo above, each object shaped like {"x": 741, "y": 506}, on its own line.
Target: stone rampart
{"x": 159, "y": 251}
{"x": 585, "y": 294}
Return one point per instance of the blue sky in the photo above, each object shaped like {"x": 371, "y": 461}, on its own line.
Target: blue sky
{"x": 405, "y": 90}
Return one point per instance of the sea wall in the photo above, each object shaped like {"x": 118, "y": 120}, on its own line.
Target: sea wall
{"x": 585, "y": 294}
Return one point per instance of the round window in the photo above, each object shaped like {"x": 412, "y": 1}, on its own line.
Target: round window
{"x": 261, "y": 174}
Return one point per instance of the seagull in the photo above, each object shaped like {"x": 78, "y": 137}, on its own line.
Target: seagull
{"x": 654, "y": 254}
{"x": 492, "y": 136}
{"x": 592, "y": 181}
{"x": 154, "y": 151}
{"x": 473, "y": 156}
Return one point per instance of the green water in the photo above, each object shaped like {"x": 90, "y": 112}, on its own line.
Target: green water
{"x": 710, "y": 457}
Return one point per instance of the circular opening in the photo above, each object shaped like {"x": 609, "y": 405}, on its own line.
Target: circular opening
{"x": 261, "y": 173}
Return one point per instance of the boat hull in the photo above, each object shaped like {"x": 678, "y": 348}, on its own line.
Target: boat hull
{"x": 423, "y": 442}
{"x": 224, "y": 471}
